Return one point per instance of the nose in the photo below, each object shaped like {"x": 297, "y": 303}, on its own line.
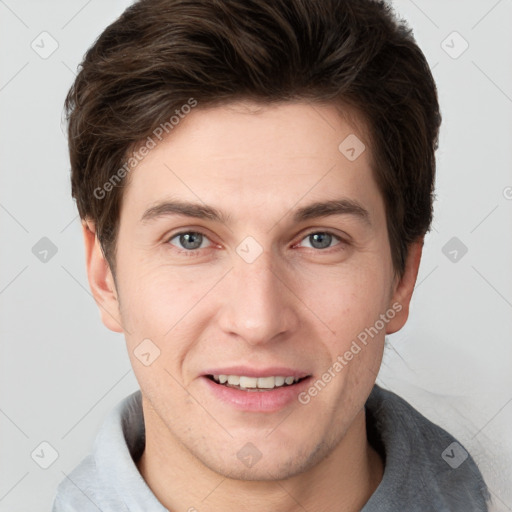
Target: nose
{"x": 259, "y": 306}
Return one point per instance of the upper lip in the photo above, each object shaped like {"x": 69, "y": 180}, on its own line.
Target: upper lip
{"x": 273, "y": 371}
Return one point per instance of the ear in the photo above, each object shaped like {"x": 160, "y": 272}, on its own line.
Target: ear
{"x": 403, "y": 288}
{"x": 101, "y": 280}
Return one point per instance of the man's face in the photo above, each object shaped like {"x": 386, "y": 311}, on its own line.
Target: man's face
{"x": 264, "y": 292}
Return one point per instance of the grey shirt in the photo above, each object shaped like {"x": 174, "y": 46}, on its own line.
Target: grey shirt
{"x": 425, "y": 469}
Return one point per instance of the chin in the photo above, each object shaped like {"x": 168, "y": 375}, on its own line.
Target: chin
{"x": 269, "y": 472}
{"x": 252, "y": 465}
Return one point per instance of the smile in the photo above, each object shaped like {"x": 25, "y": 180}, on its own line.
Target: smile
{"x": 245, "y": 383}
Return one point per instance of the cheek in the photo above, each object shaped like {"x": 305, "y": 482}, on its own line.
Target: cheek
{"x": 154, "y": 295}
{"x": 158, "y": 316}
{"x": 167, "y": 306}
{"x": 348, "y": 300}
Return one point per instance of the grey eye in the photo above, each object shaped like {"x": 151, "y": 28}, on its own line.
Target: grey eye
{"x": 320, "y": 240}
{"x": 189, "y": 240}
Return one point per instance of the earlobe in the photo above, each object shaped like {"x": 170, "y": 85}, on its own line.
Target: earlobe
{"x": 404, "y": 288}
{"x": 100, "y": 279}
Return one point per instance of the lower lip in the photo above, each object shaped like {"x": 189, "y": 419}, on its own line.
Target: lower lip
{"x": 257, "y": 401}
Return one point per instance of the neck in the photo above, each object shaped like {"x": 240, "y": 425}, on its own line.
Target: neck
{"x": 342, "y": 482}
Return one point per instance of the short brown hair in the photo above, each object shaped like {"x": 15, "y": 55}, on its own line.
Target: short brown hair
{"x": 161, "y": 53}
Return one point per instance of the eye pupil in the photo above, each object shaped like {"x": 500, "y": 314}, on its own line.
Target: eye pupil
{"x": 320, "y": 240}
{"x": 191, "y": 240}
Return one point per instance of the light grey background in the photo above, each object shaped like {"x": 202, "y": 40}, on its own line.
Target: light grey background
{"x": 61, "y": 370}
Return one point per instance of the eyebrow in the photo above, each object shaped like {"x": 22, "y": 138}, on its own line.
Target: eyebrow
{"x": 318, "y": 209}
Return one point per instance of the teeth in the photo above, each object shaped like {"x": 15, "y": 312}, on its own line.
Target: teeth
{"x": 279, "y": 381}
{"x": 265, "y": 382}
{"x": 255, "y": 382}
{"x": 248, "y": 382}
{"x": 234, "y": 380}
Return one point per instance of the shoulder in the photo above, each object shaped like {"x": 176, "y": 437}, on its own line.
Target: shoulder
{"x": 80, "y": 490}
{"x": 425, "y": 466}
{"x": 101, "y": 480}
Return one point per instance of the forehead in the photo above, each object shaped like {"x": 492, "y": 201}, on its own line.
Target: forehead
{"x": 249, "y": 155}
{"x": 290, "y": 129}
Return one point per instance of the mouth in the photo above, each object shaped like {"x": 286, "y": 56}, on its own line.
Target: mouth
{"x": 263, "y": 390}
{"x": 256, "y": 384}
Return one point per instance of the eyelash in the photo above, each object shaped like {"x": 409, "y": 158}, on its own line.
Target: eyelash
{"x": 196, "y": 252}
